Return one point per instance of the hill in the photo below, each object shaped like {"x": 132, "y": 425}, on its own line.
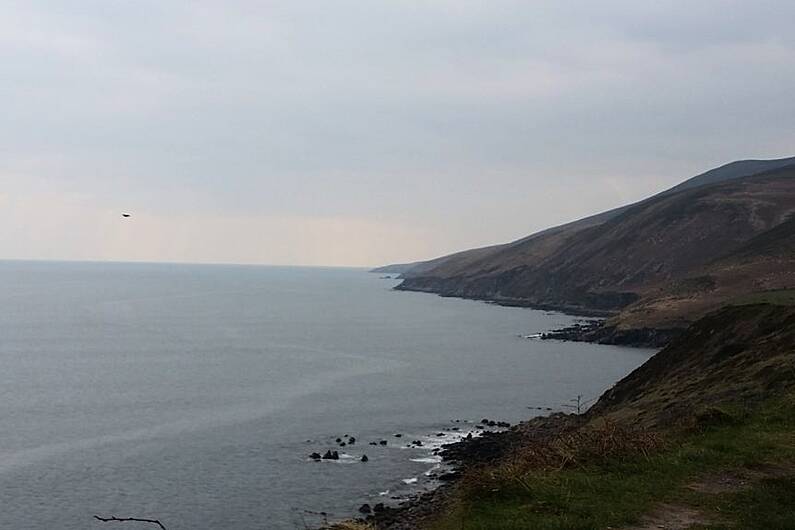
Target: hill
{"x": 732, "y": 170}
{"x": 659, "y": 263}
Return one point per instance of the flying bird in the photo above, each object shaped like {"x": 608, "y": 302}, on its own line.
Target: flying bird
{"x": 126, "y": 215}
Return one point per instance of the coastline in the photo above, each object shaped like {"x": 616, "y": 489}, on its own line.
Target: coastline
{"x": 463, "y": 445}
{"x": 569, "y": 309}
{"x": 486, "y": 448}
{"x": 597, "y": 331}
{"x": 721, "y": 394}
{"x": 459, "y": 457}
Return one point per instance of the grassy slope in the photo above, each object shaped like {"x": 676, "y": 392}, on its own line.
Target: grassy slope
{"x": 615, "y": 492}
{"x": 729, "y": 462}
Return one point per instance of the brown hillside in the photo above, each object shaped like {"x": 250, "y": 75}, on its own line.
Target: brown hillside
{"x": 662, "y": 254}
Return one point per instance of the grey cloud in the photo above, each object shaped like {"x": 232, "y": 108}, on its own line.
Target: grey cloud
{"x": 392, "y": 112}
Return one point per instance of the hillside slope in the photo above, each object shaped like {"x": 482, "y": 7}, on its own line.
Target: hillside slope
{"x": 663, "y": 260}
{"x": 460, "y": 260}
{"x": 738, "y": 354}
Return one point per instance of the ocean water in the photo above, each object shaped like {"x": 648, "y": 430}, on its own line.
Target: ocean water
{"x": 194, "y": 394}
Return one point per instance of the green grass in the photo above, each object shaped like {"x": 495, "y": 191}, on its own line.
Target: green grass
{"x": 768, "y": 505}
{"x": 617, "y": 492}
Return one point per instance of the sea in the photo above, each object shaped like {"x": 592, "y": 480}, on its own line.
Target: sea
{"x": 194, "y": 394}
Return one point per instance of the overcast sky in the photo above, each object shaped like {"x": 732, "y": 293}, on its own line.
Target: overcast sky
{"x": 367, "y": 132}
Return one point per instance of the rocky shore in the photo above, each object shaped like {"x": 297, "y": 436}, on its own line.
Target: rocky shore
{"x": 600, "y": 333}
{"x": 468, "y": 453}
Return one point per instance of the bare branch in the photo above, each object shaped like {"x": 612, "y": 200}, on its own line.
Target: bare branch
{"x": 113, "y": 518}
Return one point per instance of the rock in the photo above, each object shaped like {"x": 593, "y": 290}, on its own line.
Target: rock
{"x": 365, "y": 508}
{"x": 331, "y": 455}
{"x": 338, "y": 440}
{"x": 365, "y": 459}
{"x": 484, "y": 421}
{"x": 398, "y": 435}
{"x": 455, "y": 429}
{"x": 382, "y": 442}
{"x": 315, "y": 456}
{"x": 351, "y": 440}
{"x": 469, "y": 436}
{"x": 418, "y": 443}
{"x": 343, "y": 444}
{"x": 373, "y": 443}
{"x": 378, "y": 508}
{"x": 439, "y": 434}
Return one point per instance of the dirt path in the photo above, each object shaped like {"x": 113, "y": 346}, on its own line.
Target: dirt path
{"x": 672, "y": 517}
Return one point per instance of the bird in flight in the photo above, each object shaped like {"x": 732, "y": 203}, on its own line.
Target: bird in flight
{"x": 126, "y": 215}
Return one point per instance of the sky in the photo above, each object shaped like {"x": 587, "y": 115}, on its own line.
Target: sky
{"x": 360, "y": 133}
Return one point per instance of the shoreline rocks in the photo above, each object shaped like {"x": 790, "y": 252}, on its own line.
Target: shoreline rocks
{"x": 456, "y": 455}
{"x": 599, "y": 333}
{"x": 467, "y": 453}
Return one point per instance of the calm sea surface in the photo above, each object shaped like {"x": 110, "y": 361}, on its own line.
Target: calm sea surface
{"x": 194, "y": 394}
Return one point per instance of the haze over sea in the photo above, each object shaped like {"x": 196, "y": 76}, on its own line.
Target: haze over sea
{"x": 195, "y": 393}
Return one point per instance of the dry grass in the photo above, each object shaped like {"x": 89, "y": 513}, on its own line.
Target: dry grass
{"x": 585, "y": 446}
{"x": 638, "y": 478}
